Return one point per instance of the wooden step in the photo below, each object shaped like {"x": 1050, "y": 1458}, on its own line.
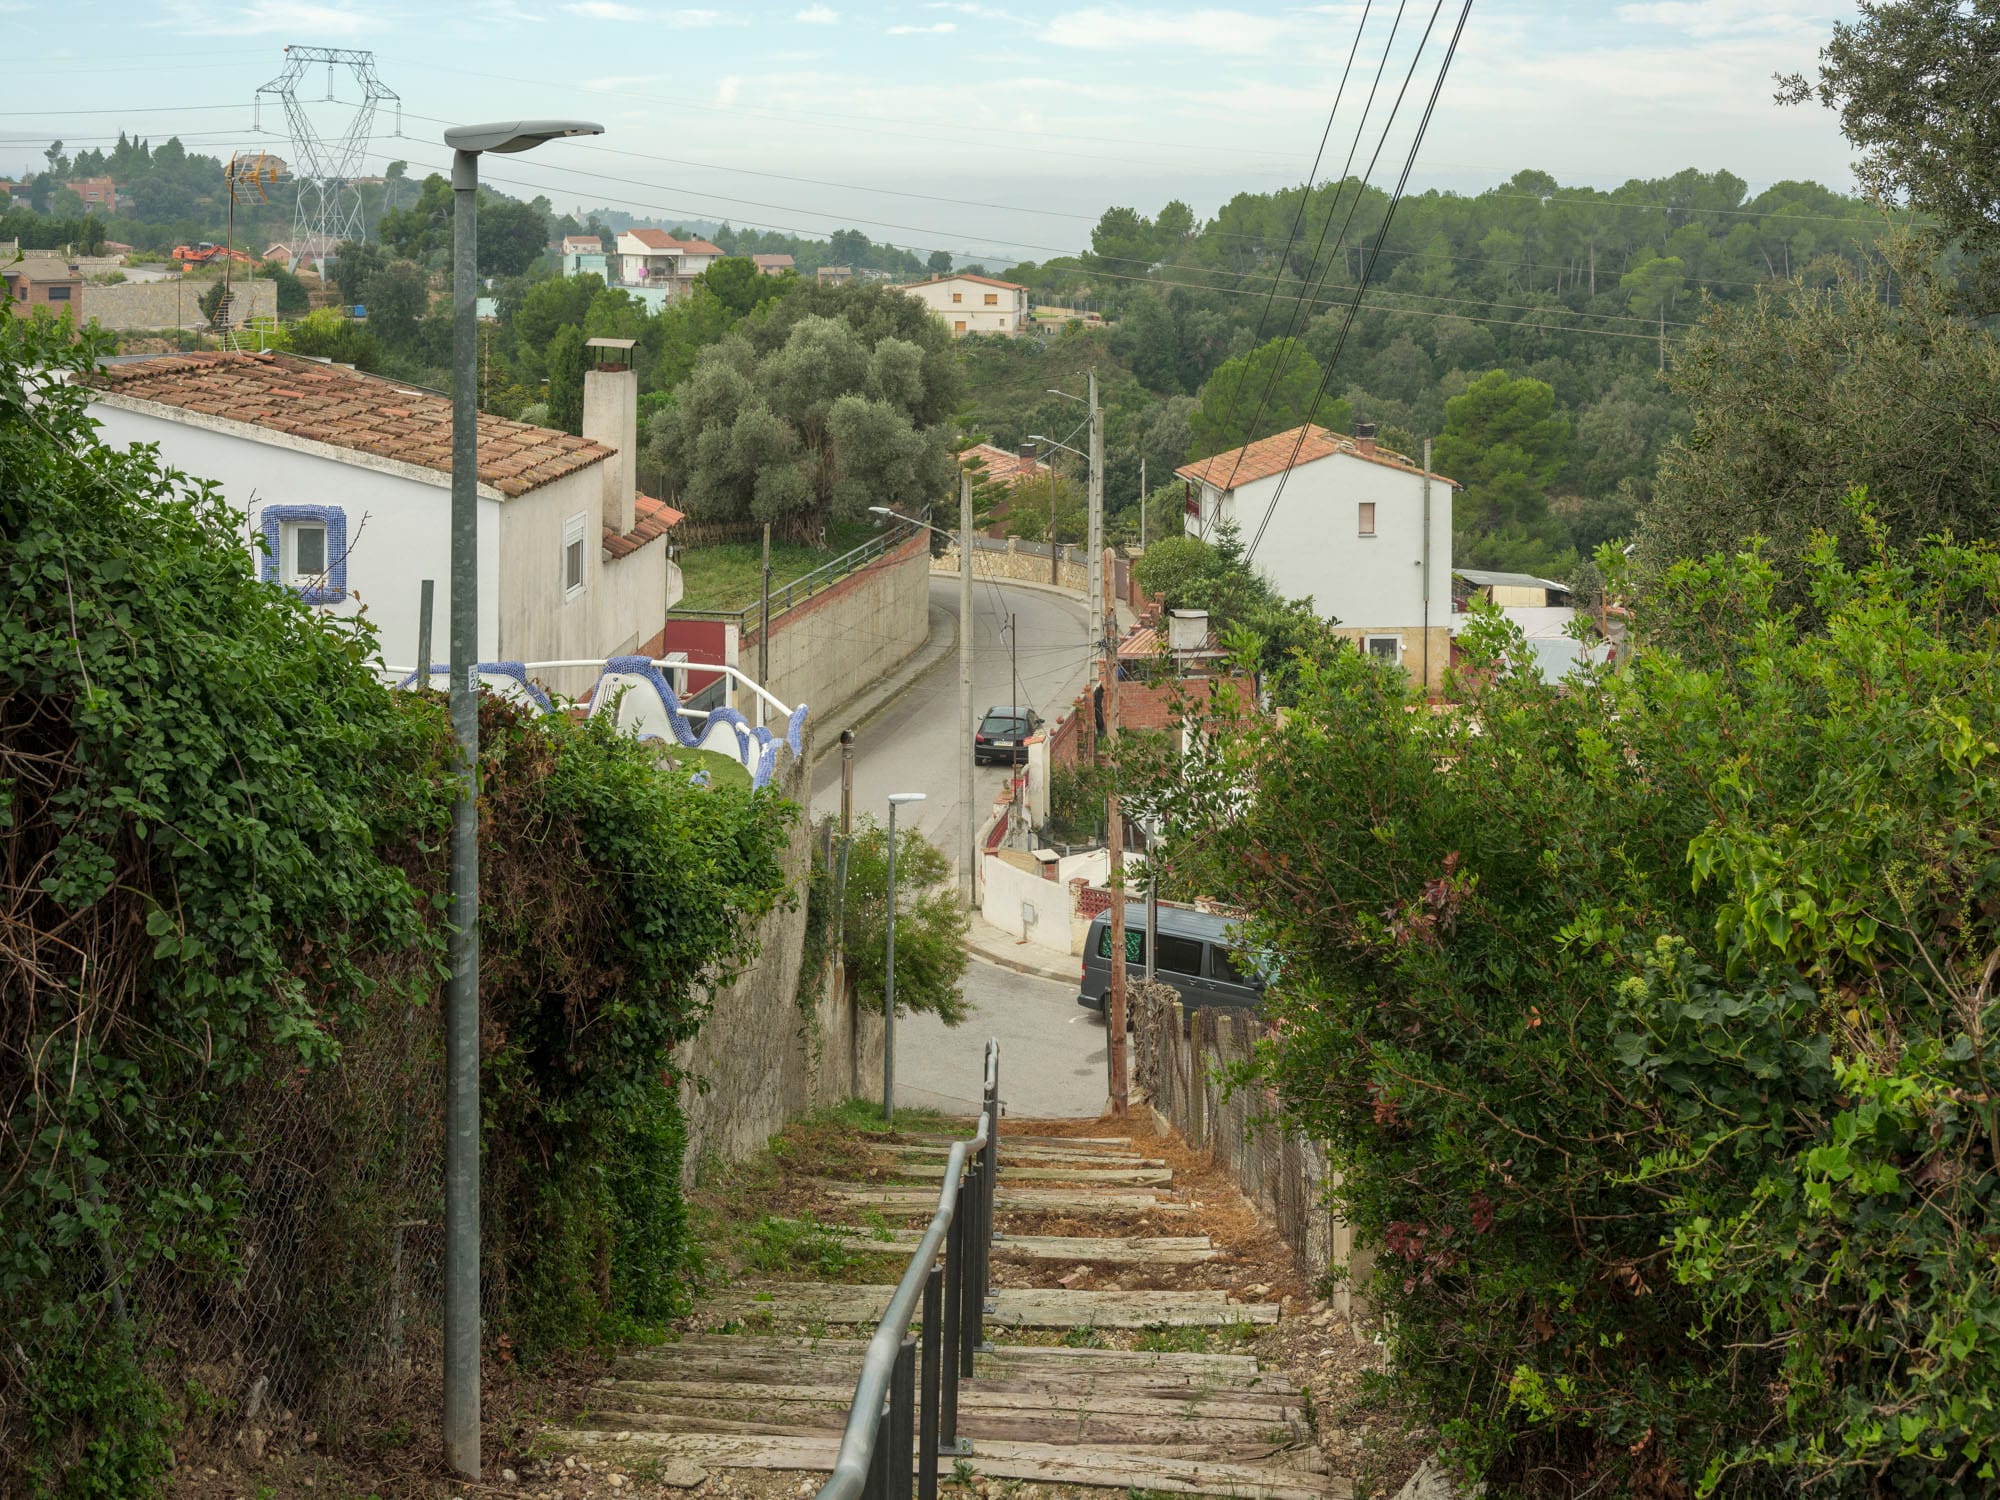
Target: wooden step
{"x": 1029, "y": 1200}
{"x": 753, "y": 1412}
{"x": 1025, "y": 1396}
{"x": 1032, "y": 1155}
{"x": 1033, "y": 1462}
{"x": 1161, "y": 1250}
{"x": 1110, "y": 1176}
{"x": 1007, "y": 1139}
{"x": 1013, "y": 1307}
{"x": 1081, "y": 1369}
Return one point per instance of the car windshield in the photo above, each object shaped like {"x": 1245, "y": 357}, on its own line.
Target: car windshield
{"x": 1002, "y": 724}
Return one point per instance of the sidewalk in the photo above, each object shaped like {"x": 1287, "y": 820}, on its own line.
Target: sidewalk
{"x": 990, "y": 944}
{"x": 941, "y": 642}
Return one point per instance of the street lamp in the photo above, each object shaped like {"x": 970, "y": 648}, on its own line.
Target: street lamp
{"x": 896, "y": 800}
{"x": 966, "y": 853}
{"x": 461, "y": 1036}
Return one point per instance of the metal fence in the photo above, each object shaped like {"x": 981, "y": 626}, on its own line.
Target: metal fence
{"x": 905, "y": 1411}
{"x": 1182, "y": 1060}
{"x": 806, "y": 585}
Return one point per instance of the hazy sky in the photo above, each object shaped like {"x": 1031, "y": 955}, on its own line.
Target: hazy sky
{"x": 998, "y": 129}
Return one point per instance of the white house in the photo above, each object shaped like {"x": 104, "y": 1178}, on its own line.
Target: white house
{"x": 1360, "y": 528}
{"x": 584, "y": 252}
{"x": 974, "y": 304}
{"x": 654, "y": 258}
{"x": 347, "y": 479}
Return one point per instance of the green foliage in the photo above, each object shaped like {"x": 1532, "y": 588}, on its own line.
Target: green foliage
{"x": 1077, "y": 802}
{"x": 397, "y": 297}
{"x": 1271, "y": 389}
{"x": 99, "y": 1427}
{"x": 930, "y": 923}
{"x": 1652, "y": 1026}
{"x": 1505, "y": 441}
{"x": 565, "y": 367}
{"x": 327, "y": 334}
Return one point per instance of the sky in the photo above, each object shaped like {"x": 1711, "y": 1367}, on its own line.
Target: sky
{"x": 997, "y": 130}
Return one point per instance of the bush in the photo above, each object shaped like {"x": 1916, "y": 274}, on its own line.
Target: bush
{"x": 930, "y": 923}
{"x": 1653, "y": 1025}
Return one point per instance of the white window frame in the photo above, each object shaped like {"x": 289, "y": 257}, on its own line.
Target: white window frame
{"x": 288, "y": 545}
{"x": 1364, "y": 518}
{"x": 574, "y": 536}
{"x": 1368, "y": 643}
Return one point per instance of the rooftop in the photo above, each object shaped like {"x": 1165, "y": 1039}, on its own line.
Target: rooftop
{"x": 653, "y": 519}
{"x": 346, "y": 409}
{"x": 1288, "y": 450}
{"x": 1007, "y": 468}
{"x": 1481, "y": 578}
{"x": 1012, "y": 286}
{"x": 34, "y": 267}
{"x": 773, "y": 262}
{"x": 659, "y": 239}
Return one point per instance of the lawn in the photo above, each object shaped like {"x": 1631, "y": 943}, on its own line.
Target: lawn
{"x": 730, "y": 576}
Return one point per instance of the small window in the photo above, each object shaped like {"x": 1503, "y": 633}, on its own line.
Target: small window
{"x": 1135, "y": 943}
{"x": 58, "y": 294}
{"x": 573, "y": 575}
{"x": 959, "y": 326}
{"x": 1223, "y": 968}
{"x": 1368, "y": 518}
{"x": 992, "y": 299}
{"x": 1179, "y": 955}
{"x": 958, "y": 296}
{"x": 306, "y": 542}
{"x": 1387, "y": 648}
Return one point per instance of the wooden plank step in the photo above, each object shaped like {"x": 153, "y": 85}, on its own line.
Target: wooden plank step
{"x": 1035, "y": 1155}
{"x": 1068, "y": 1385}
{"x": 1033, "y": 1462}
{"x": 1229, "y": 1404}
{"x": 1135, "y": 1249}
{"x": 760, "y": 1414}
{"x": 1007, "y": 1138}
{"x": 1119, "y": 1176}
{"x": 1074, "y": 1200}
{"x": 1004, "y": 1359}
{"x": 1013, "y": 1307}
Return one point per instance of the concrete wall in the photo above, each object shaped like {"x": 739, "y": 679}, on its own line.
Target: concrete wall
{"x": 1410, "y": 645}
{"x": 826, "y": 650}
{"x": 1018, "y": 566}
{"x": 170, "y": 304}
{"x": 1014, "y": 888}
{"x": 759, "y": 1058}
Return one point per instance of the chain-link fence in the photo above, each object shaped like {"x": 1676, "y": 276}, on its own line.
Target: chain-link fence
{"x": 1182, "y": 1061}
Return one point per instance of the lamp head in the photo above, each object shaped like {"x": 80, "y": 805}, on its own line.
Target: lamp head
{"x": 880, "y": 510}
{"x": 898, "y": 799}
{"x": 508, "y": 136}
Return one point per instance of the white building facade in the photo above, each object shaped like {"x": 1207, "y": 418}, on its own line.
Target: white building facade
{"x": 974, "y": 304}
{"x": 657, "y": 261}
{"x": 1360, "y": 529}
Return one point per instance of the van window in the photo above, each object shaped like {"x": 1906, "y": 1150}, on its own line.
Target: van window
{"x": 1180, "y": 955}
{"x": 1135, "y": 943}
{"x": 1226, "y": 970}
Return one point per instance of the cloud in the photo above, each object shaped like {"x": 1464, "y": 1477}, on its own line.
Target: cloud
{"x": 819, "y": 15}
{"x": 727, "y": 88}
{"x": 694, "y": 18}
{"x": 605, "y": 10}
{"x": 966, "y": 8}
{"x": 940, "y": 29}
{"x": 265, "y": 18}
{"x": 1208, "y": 31}
{"x": 1719, "y": 18}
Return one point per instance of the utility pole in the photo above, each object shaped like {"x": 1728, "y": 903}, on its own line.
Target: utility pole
{"x": 1142, "y": 504}
{"x": 764, "y": 636}
{"x": 1098, "y": 602}
{"x": 1115, "y": 833}
{"x": 1427, "y": 567}
{"x": 967, "y": 855}
{"x": 846, "y": 783}
{"x": 1663, "y": 336}
{"x": 1055, "y": 548}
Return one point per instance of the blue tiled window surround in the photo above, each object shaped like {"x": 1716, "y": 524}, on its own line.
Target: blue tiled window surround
{"x": 272, "y": 518}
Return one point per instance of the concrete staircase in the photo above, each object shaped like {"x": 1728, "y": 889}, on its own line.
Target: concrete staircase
{"x": 765, "y": 1377}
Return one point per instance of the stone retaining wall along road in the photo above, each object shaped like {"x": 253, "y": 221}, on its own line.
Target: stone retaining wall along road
{"x": 1016, "y": 561}
{"x": 132, "y": 305}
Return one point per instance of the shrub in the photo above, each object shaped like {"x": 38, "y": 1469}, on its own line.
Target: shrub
{"x": 930, "y": 923}
{"x": 1654, "y": 1026}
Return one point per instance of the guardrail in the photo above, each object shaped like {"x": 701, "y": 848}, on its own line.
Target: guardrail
{"x": 802, "y": 588}
{"x": 905, "y": 1414}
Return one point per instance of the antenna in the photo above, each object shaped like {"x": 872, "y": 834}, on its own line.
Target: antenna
{"x": 324, "y": 169}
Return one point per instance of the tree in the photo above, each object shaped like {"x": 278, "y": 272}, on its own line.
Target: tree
{"x": 1269, "y": 390}
{"x": 939, "y": 263}
{"x": 512, "y": 235}
{"x": 739, "y": 286}
{"x": 1504, "y": 441}
{"x": 355, "y": 264}
{"x": 930, "y": 924}
{"x": 397, "y": 297}
{"x": 565, "y": 367}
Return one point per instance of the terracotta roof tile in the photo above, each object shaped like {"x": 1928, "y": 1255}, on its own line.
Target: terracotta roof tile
{"x": 1012, "y": 286}
{"x": 652, "y": 520}
{"x": 1001, "y": 466}
{"x": 1286, "y": 450}
{"x": 346, "y": 409}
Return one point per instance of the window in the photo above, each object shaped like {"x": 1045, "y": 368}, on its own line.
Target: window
{"x": 1135, "y": 943}
{"x": 1387, "y": 648}
{"x": 58, "y": 294}
{"x": 305, "y": 550}
{"x": 1224, "y": 968}
{"x": 992, "y": 299}
{"x": 572, "y": 557}
{"x": 1179, "y": 955}
{"x": 959, "y": 326}
{"x": 1368, "y": 518}
{"x": 958, "y": 296}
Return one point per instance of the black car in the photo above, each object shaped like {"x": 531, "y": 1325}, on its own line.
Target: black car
{"x": 1003, "y": 735}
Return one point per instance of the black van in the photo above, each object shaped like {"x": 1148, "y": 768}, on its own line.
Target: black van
{"x": 1194, "y": 958}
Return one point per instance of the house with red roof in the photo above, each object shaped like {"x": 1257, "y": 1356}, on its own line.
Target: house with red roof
{"x": 344, "y": 484}
{"x": 654, "y": 260}
{"x": 1360, "y": 529}
{"x": 974, "y": 304}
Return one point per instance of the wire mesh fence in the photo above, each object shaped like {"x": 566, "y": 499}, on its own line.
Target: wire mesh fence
{"x": 1183, "y": 1061}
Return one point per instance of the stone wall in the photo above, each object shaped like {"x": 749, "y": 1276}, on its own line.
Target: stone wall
{"x": 826, "y": 650}
{"x": 760, "y": 1058}
{"x": 169, "y": 304}
{"x": 1179, "y": 1059}
{"x": 1019, "y": 562}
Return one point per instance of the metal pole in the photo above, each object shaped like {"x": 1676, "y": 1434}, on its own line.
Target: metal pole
{"x": 1152, "y": 900}
{"x": 889, "y": 990}
{"x": 1096, "y": 538}
{"x": 1142, "y": 504}
{"x": 1427, "y": 567}
{"x": 461, "y": 1146}
{"x": 902, "y": 1419}
{"x": 846, "y": 782}
{"x": 968, "y": 856}
{"x": 949, "y": 1324}
{"x": 426, "y": 595}
{"x": 930, "y": 1383}
{"x": 1115, "y": 834}
{"x": 764, "y": 635}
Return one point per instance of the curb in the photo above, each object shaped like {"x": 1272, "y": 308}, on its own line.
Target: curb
{"x": 1018, "y": 966}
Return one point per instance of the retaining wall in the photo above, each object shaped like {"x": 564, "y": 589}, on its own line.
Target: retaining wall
{"x": 168, "y": 304}
{"x": 1178, "y": 1061}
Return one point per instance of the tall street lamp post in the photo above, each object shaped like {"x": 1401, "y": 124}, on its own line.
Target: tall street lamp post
{"x": 896, "y": 799}
{"x": 461, "y": 1145}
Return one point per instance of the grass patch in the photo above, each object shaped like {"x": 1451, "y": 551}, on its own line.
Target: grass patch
{"x": 730, "y": 576}
{"x": 723, "y": 770}
{"x": 1161, "y": 1338}
{"x": 777, "y": 1247}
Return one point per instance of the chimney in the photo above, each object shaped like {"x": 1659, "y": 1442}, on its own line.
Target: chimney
{"x": 1187, "y": 629}
{"x": 1027, "y": 464}
{"x": 1364, "y": 437}
{"x": 611, "y": 417}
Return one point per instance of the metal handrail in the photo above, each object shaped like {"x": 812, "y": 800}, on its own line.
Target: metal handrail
{"x": 817, "y": 581}
{"x": 663, "y": 662}
{"x": 896, "y": 1407}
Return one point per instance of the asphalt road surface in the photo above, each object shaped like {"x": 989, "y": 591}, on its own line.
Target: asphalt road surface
{"x": 1051, "y": 1050}
{"x": 915, "y": 743}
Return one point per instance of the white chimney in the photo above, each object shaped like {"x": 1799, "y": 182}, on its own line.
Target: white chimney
{"x": 1187, "y": 629}
{"x": 611, "y": 417}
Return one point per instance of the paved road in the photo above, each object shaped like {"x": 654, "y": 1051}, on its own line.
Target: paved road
{"x": 914, "y": 744}
{"x": 1051, "y": 1050}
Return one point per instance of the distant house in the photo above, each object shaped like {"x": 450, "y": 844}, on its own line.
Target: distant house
{"x": 584, "y": 252}
{"x": 347, "y": 479}
{"x": 1508, "y": 590}
{"x": 653, "y": 258}
{"x": 43, "y": 281}
{"x": 1342, "y": 520}
{"x": 998, "y": 466}
{"x": 974, "y": 304}
{"x": 833, "y": 275}
{"x": 773, "y": 265}
{"x": 99, "y": 194}
{"x": 279, "y": 255}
